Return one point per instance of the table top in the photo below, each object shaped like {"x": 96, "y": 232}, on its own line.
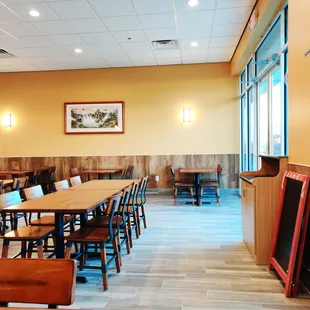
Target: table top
{"x": 198, "y": 170}
{"x": 7, "y": 182}
{"x": 103, "y": 185}
{"x": 103, "y": 171}
{"x": 19, "y": 172}
{"x": 65, "y": 201}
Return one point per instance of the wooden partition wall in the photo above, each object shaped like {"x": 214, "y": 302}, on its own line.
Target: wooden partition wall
{"x": 150, "y": 165}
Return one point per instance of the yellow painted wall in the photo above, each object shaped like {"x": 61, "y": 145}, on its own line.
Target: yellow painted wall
{"x": 299, "y": 82}
{"x": 154, "y": 98}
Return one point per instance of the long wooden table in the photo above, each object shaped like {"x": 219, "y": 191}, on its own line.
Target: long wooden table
{"x": 7, "y": 182}
{"x": 101, "y": 172}
{"x": 61, "y": 203}
{"x": 15, "y": 173}
{"x": 197, "y": 172}
{"x": 104, "y": 184}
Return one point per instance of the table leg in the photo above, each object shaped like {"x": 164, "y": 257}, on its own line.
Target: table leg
{"x": 83, "y": 219}
{"x": 59, "y": 236}
{"x": 197, "y": 191}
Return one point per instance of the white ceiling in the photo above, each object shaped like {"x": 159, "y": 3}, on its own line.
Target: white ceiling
{"x": 101, "y": 28}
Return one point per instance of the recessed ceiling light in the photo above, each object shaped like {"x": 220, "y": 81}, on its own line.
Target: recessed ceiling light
{"x": 193, "y": 2}
{"x": 78, "y": 50}
{"x": 34, "y": 13}
{"x": 194, "y": 44}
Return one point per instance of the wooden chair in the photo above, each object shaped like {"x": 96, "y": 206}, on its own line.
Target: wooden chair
{"x": 75, "y": 180}
{"x": 181, "y": 186}
{"x": 119, "y": 222}
{"x": 47, "y": 178}
{"x": 142, "y": 200}
{"x": 74, "y": 172}
{"x": 60, "y": 185}
{"x": 37, "y": 281}
{"x": 31, "y": 234}
{"x": 101, "y": 236}
{"x": 210, "y": 187}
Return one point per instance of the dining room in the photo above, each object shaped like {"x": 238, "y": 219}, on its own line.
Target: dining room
{"x": 143, "y": 148}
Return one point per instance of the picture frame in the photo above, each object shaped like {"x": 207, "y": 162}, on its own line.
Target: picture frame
{"x": 99, "y": 117}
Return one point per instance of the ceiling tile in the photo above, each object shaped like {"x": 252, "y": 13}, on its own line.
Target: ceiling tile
{"x": 36, "y": 41}
{"x": 167, "y": 53}
{"x": 64, "y": 59}
{"x": 144, "y": 62}
{"x": 194, "y": 32}
{"x": 202, "y": 44}
{"x": 20, "y": 29}
{"x": 161, "y": 34}
{"x": 38, "y": 61}
{"x": 223, "y": 4}
{"x": 224, "y": 41}
{"x": 134, "y": 35}
{"x": 169, "y": 61}
{"x": 198, "y": 54}
{"x": 221, "y": 51}
{"x": 231, "y": 16}
{"x": 67, "y": 39}
{"x": 3, "y": 34}
{"x": 9, "y": 2}
{"x": 182, "y": 5}
{"x": 123, "y": 23}
{"x": 152, "y": 7}
{"x": 98, "y": 38}
{"x": 46, "y": 13}
{"x": 52, "y": 27}
{"x": 108, "y": 49}
{"x": 97, "y": 65}
{"x": 73, "y": 9}
{"x": 7, "y": 16}
{"x": 218, "y": 58}
{"x": 135, "y": 50}
{"x": 9, "y": 42}
{"x": 154, "y": 21}
{"x": 119, "y": 63}
{"x": 228, "y": 30}
{"x": 51, "y": 51}
{"x": 108, "y": 8}
{"x": 87, "y": 25}
{"x": 197, "y": 18}
{"x": 25, "y": 52}
{"x": 12, "y": 62}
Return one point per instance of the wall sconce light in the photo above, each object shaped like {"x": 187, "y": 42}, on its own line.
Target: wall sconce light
{"x": 187, "y": 115}
{"x": 7, "y": 120}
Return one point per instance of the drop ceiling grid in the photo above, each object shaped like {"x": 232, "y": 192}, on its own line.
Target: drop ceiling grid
{"x": 100, "y": 29}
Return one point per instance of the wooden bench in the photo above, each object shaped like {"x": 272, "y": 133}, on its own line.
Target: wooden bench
{"x": 37, "y": 281}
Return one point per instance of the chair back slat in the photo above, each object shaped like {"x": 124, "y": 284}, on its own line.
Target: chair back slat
{"x": 61, "y": 185}
{"x": 10, "y": 199}
{"x": 33, "y": 192}
{"x": 20, "y": 183}
{"x": 38, "y": 281}
{"x": 74, "y": 172}
{"x": 143, "y": 189}
{"x": 112, "y": 206}
{"x": 75, "y": 180}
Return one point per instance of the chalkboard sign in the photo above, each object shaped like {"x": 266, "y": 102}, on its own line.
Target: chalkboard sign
{"x": 287, "y": 222}
{"x": 285, "y": 243}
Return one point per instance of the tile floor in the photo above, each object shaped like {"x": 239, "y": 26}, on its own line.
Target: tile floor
{"x": 188, "y": 258}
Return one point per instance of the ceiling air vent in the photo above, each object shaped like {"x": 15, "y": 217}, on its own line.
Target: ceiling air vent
{"x": 5, "y": 54}
{"x": 165, "y": 44}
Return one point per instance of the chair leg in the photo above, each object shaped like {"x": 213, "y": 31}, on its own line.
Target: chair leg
{"x": 201, "y": 193}
{"x": 126, "y": 238}
{"x": 23, "y": 249}
{"x": 40, "y": 249}
{"x": 143, "y": 216}
{"x": 45, "y": 244}
{"x": 175, "y": 196}
{"x": 119, "y": 248}
{"x": 72, "y": 230}
{"x": 117, "y": 263}
{"x": 104, "y": 267}
{"x": 30, "y": 249}
{"x": 68, "y": 250}
{"x": 12, "y": 221}
{"x": 5, "y": 248}
{"x": 138, "y": 220}
{"x": 26, "y": 219}
{"x": 192, "y": 195}
{"x": 136, "y": 224}
{"x": 129, "y": 230}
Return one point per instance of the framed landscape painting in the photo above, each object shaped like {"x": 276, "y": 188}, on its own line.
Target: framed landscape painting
{"x": 94, "y": 117}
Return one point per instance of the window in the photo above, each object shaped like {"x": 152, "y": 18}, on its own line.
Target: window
{"x": 263, "y": 117}
{"x": 269, "y": 48}
{"x": 286, "y": 25}
{"x": 244, "y": 133}
{"x": 242, "y": 82}
{"x": 250, "y": 71}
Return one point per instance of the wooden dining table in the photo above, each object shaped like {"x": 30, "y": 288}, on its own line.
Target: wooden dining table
{"x": 104, "y": 184}
{"x": 7, "y": 182}
{"x": 15, "y": 173}
{"x": 101, "y": 172}
{"x": 197, "y": 172}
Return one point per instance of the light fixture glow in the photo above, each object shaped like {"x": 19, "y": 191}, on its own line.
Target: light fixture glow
{"x": 78, "y": 50}
{"x": 194, "y": 44}
{"x": 193, "y": 2}
{"x": 7, "y": 120}
{"x": 34, "y": 13}
{"x": 187, "y": 115}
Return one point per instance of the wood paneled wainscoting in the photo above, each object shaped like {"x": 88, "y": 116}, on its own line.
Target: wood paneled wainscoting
{"x": 150, "y": 165}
